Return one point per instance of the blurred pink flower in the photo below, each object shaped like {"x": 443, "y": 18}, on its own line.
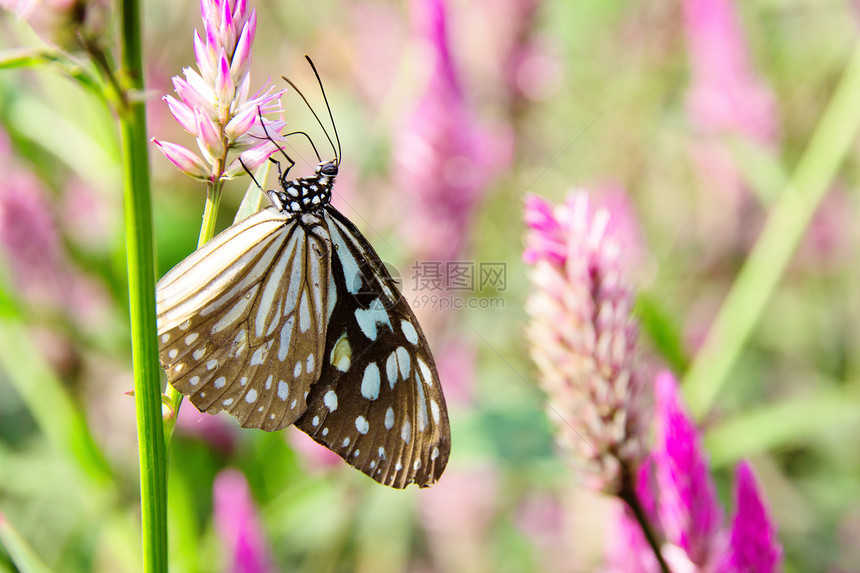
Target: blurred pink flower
{"x": 726, "y": 95}
{"x": 217, "y": 431}
{"x": 444, "y": 159}
{"x": 238, "y": 525}
{"x": 28, "y": 236}
{"x": 456, "y": 364}
{"x": 315, "y": 456}
{"x": 583, "y": 339}
{"x": 214, "y": 105}
{"x": 457, "y": 513}
{"x": 689, "y": 512}
{"x": 753, "y": 546}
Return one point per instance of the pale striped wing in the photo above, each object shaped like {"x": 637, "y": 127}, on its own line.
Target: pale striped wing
{"x": 378, "y": 404}
{"x": 242, "y": 320}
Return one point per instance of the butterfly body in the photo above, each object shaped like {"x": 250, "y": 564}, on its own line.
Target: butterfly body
{"x": 290, "y": 317}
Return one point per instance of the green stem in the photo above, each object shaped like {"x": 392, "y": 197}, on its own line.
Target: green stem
{"x": 628, "y": 496}
{"x": 137, "y": 204}
{"x": 783, "y": 231}
{"x": 207, "y": 231}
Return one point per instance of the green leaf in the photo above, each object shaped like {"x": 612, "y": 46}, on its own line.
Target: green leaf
{"x": 22, "y": 554}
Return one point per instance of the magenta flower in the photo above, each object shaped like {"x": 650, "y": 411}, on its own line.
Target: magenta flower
{"x": 583, "y": 339}
{"x": 726, "y": 95}
{"x": 237, "y": 524}
{"x": 443, "y": 157}
{"x": 689, "y": 512}
{"x": 214, "y": 104}
{"x": 753, "y": 546}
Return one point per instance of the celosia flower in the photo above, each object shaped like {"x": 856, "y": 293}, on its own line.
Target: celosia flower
{"x": 689, "y": 512}
{"x": 753, "y": 545}
{"x": 237, "y": 524}
{"x": 583, "y": 339}
{"x": 214, "y": 104}
{"x": 726, "y": 95}
{"x": 443, "y": 157}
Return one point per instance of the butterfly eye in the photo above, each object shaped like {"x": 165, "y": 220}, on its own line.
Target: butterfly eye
{"x": 329, "y": 169}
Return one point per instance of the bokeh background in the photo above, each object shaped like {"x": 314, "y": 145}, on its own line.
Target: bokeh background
{"x": 684, "y": 118}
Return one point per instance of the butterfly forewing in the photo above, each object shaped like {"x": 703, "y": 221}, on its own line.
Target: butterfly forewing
{"x": 378, "y": 403}
{"x": 249, "y": 337}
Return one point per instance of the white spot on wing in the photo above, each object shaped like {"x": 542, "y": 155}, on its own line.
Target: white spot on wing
{"x": 194, "y": 380}
{"x": 362, "y": 425}
{"x": 404, "y": 361}
{"x": 211, "y": 364}
{"x": 309, "y": 367}
{"x": 269, "y": 382}
{"x": 172, "y": 353}
{"x": 297, "y": 370}
{"x": 283, "y": 390}
{"x": 409, "y": 331}
{"x": 190, "y": 338}
{"x": 434, "y": 410}
{"x": 389, "y": 418}
{"x": 228, "y": 401}
{"x": 304, "y": 314}
{"x": 330, "y": 400}
{"x": 425, "y": 372}
{"x": 198, "y": 354}
{"x": 258, "y": 356}
{"x": 316, "y": 421}
{"x": 220, "y": 382}
{"x": 391, "y": 369}
{"x": 406, "y": 431}
{"x": 370, "y": 382}
{"x": 286, "y": 335}
{"x": 251, "y": 396}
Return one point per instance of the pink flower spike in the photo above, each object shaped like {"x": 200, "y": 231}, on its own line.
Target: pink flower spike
{"x": 207, "y": 133}
{"x": 240, "y": 9}
{"x": 183, "y": 158}
{"x": 241, "y": 122}
{"x": 199, "y": 92}
{"x": 203, "y": 54}
{"x": 182, "y": 113}
{"x": 583, "y": 339}
{"x": 237, "y": 524}
{"x": 252, "y": 158}
{"x": 754, "y": 545}
{"x": 224, "y": 86}
{"x": 227, "y": 31}
{"x": 547, "y": 242}
{"x": 689, "y": 511}
{"x": 242, "y": 55}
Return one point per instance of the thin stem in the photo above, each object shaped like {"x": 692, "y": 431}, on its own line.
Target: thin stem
{"x": 207, "y": 231}
{"x": 137, "y": 204}
{"x": 783, "y": 230}
{"x": 628, "y": 495}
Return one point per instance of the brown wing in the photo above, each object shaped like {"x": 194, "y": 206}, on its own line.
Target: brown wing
{"x": 378, "y": 403}
{"x": 242, "y": 320}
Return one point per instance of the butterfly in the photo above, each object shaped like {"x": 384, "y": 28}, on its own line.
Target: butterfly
{"x": 290, "y": 317}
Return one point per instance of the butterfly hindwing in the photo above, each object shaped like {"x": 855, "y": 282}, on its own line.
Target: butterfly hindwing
{"x": 378, "y": 403}
{"x": 242, "y": 320}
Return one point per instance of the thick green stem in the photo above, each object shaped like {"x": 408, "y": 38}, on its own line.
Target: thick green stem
{"x": 137, "y": 205}
{"x": 783, "y": 230}
{"x": 207, "y": 231}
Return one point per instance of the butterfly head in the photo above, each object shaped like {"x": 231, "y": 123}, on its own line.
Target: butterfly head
{"x": 306, "y": 194}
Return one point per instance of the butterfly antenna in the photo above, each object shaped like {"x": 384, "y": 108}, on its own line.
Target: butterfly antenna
{"x": 269, "y": 137}
{"x": 311, "y": 141}
{"x": 248, "y": 171}
{"x": 317, "y": 117}
{"x": 327, "y": 106}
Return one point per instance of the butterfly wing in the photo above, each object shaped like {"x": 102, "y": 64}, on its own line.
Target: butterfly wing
{"x": 242, "y": 320}
{"x": 378, "y": 404}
